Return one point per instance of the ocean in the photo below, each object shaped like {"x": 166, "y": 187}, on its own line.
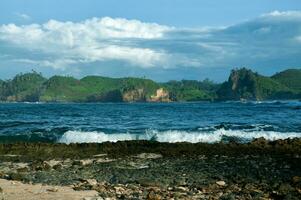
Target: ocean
{"x": 164, "y": 122}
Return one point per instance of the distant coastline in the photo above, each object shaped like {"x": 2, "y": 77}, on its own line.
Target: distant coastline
{"x": 242, "y": 85}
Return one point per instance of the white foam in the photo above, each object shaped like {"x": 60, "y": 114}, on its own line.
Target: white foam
{"x": 173, "y": 136}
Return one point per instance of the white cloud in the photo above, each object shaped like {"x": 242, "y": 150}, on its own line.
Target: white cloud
{"x": 23, "y": 16}
{"x": 277, "y": 13}
{"x": 271, "y": 39}
{"x": 88, "y": 41}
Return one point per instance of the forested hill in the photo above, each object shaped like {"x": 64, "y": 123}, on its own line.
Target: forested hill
{"x": 243, "y": 84}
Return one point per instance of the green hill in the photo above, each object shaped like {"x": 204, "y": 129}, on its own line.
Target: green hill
{"x": 24, "y": 87}
{"x": 245, "y": 84}
{"x": 188, "y": 90}
{"x": 242, "y": 84}
{"x": 290, "y": 78}
{"x": 97, "y": 88}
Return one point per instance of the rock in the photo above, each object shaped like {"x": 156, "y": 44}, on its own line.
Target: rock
{"x": 91, "y": 182}
{"x": 285, "y": 189}
{"x": 83, "y": 162}
{"x": 260, "y": 142}
{"x": 103, "y": 160}
{"x": 1, "y": 190}
{"x": 181, "y": 189}
{"x": 221, "y": 183}
{"x": 153, "y": 196}
{"x": 119, "y": 190}
{"x": 228, "y": 197}
{"x": 100, "y": 155}
{"x": 181, "y": 181}
{"x": 296, "y": 179}
{"x": 86, "y": 184}
{"x": 52, "y": 190}
{"x": 148, "y": 156}
{"x": 58, "y": 166}
{"x": 93, "y": 198}
{"x": 23, "y": 169}
{"x": 46, "y": 166}
{"x": 41, "y": 166}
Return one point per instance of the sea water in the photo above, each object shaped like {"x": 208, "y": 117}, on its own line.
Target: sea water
{"x": 164, "y": 122}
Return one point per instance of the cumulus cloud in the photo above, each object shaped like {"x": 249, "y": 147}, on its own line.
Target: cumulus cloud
{"x": 92, "y": 40}
{"x": 270, "y": 40}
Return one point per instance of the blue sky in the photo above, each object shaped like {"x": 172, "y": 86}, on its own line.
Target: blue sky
{"x": 159, "y": 39}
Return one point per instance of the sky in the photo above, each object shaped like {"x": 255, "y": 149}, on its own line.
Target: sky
{"x": 159, "y": 39}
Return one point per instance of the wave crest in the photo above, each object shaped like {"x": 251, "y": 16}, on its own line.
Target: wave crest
{"x": 173, "y": 136}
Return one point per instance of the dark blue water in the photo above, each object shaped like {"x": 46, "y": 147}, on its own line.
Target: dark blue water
{"x": 166, "y": 122}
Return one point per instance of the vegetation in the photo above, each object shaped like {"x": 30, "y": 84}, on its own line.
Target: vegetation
{"x": 247, "y": 85}
{"x": 290, "y": 78}
{"x": 242, "y": 84}
{"x": 24, "y": 87}
{"x": 188, "y": 90}
{"x": 95, "y": 88}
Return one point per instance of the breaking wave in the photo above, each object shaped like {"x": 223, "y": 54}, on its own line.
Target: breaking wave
{"x": 173, "y": 136}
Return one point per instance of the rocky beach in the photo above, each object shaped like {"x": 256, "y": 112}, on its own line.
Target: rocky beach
{"x": 260, "y": 169}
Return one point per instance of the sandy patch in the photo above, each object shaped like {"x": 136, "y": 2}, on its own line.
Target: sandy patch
{"x": 12, "y": 190}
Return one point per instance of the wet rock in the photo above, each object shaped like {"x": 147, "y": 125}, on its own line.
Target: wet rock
{"x": 260, "y": 142}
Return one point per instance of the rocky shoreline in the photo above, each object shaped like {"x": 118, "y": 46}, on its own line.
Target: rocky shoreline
{"x": 152, "y": 170}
